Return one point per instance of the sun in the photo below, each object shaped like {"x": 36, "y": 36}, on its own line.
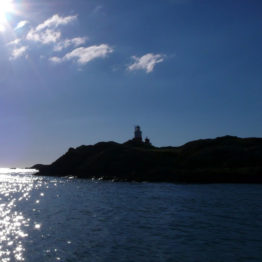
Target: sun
{"x": 6, "y": 7}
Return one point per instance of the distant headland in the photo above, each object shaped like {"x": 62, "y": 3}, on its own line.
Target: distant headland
{"x": 225, "y": 159}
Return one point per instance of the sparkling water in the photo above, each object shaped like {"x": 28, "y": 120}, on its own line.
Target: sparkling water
{"x": 66, "y": 219}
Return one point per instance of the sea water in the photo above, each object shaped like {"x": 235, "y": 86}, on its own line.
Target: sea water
{"x": 66, "y": 219}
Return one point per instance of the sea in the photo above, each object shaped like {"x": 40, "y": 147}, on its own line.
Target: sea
{"x": 75, "y": 220}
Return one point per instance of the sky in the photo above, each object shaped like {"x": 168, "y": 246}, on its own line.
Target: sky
{"x": 83, "y": 71}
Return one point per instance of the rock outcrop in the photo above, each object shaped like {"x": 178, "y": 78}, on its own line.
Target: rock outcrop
{"x": 222, "y": 160}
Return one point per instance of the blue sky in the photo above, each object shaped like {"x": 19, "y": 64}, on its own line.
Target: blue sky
{"x": 79, "y": 72}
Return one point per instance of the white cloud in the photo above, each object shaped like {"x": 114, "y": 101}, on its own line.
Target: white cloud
{"x": 55, "y": 21}
{"x": 2, "y": 28}
{"x": 49, "y": 33}
{"x": 21, "y": 24}
{"x": 56, "y": 59}
{"x": 83, "y": 55}
{"x": 46, "y": 37}
{"x": 146, "y": 62}
{"x": 46, "y": 33}
{"x": 77, "y": 41}
{"x": 17, "y": 52}
{"x": 15, "y": 42}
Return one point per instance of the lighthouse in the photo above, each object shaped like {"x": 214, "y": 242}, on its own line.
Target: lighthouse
{"x": 138, "y": 134}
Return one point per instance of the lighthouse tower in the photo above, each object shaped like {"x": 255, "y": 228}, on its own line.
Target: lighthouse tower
{"x": 138, "y": 134}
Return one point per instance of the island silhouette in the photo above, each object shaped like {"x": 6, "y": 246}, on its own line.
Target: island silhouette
{"x": 227, "y": 159}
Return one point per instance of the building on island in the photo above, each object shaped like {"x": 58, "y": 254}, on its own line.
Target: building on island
{"x": 138, "y": 134}
{"x": 138, "y": 137}
{"x": 147, "y": 141}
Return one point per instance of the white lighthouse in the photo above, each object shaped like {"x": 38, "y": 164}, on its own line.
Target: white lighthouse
{"x": 138, "y": 134}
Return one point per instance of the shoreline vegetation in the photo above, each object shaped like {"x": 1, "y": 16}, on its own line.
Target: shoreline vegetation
{"x": 225, "y": 159}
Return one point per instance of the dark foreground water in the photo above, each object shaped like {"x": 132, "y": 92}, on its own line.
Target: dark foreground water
{"x": 53, "y": 219}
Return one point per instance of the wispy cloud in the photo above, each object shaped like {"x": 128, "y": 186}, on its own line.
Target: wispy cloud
{"x": 77, "y": 41}
{"x": 55, "y": 21}
{"x": 46, "y": 32}
{"x": 56, "y": 60}
{"x": 21, "y": 24}
{"x": 17, "y": 52}
{"x": 98, "y": 9}
{"x": 14, "y": 42}
{"x": 146, "y": 62}
{"x": 49, "y": 32}
{"x": 83, "y": 55}
{"x": 46, "y": 37}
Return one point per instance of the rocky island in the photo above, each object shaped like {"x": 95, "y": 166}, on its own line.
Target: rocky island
{"x": 225, "y": 159}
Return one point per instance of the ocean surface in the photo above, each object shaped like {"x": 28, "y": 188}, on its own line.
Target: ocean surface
{"x": 66, "y": 219}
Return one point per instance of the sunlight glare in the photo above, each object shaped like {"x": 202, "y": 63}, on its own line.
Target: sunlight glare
{"x": 6, "y": 7}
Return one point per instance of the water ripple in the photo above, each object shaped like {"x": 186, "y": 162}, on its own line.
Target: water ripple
{"x": 63, "y": 219}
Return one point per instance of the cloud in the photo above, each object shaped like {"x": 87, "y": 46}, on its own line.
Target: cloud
{"x": 77, "y": 41}
{"x": 146, "y": 62}
{"x": 21, "y": 24}
{"x": 46, "y": 37}
{"x": 49, "y": 33}
{"x": 56, "y": 60}
{"x": 83, "y": 55}
{"x": 15, "y": 42}
{"x": 17, "y": 52}
{"x": 2, "y": 28}
{"x": 98, "y": 9}
{"x": 46, "y": 33}
{"x": 55, "y": 21}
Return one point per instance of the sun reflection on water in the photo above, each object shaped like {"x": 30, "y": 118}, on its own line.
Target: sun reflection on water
{"x": 13, "y": 223}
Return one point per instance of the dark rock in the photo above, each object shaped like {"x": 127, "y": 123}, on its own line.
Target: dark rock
{"x": 37, "y": 167}
{"x": 224, "y": 159}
